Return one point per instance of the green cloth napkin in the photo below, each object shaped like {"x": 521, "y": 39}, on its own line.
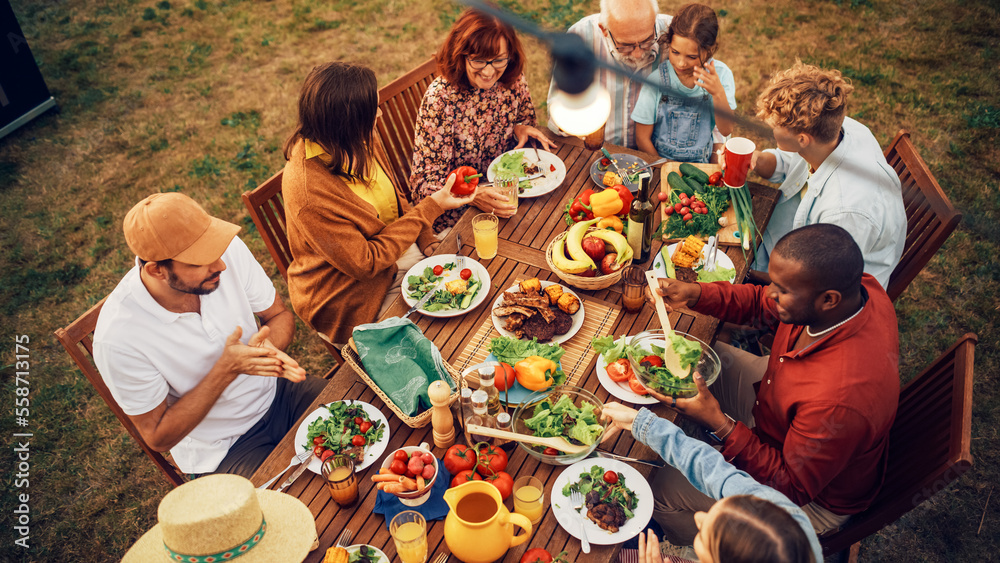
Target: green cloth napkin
{"x": 401, "y": 361}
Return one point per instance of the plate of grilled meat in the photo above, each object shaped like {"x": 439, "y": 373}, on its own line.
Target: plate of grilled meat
{"x": 545, "y": 310}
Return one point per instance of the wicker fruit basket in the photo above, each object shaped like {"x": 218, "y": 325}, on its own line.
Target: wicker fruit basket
{"x": 583, "y": 282}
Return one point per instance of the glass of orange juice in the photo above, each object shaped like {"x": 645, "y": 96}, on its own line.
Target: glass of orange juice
{"x": 485, "y": 227}
{"x": 338, "y": 471}
{"x": 409, "y": 533}
{"x": 529, "y": 498}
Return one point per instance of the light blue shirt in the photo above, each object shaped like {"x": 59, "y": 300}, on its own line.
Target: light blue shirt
{"x": 649, "y": 97}
{"x": 854, "y": 188}
{"x": 709, "y": 472}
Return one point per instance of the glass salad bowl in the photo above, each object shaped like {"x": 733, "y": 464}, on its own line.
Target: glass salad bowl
{"x": 559, "y": 401}
{"x": 662, "y": 382}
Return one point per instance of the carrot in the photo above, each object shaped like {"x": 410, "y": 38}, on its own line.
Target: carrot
{"x": 380, "y": 486}
{"x": 390, "y": 478}
{"x": 385, "y": 471}
{"x": 420, "y": 482}
{"x": 394, "y": 488}
{"x": 410, "y": 484}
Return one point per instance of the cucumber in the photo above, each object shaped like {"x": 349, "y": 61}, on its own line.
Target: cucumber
{"x": 694, "y": 184}
{"x": 469, "y": 294}
{"x": 677, "y": 183}
{"x": 692, "y": 171}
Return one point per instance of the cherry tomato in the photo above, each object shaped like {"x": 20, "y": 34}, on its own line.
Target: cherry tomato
{"x": 358, "y": 420}
{"x": 319, "y": 441}
{"x": 687, "y": 217}
{"x": 438, "y": 270}
{"x": 685, "y": 210}
{"x": 398, "y": 467}
{"x": 358, "y": 440}
{"x": 465, "y": 274}
{"x": 662, "y": 196}
{"x": 652, "y": 360}
{"x": 668, "y": 211}
{"x": 552, "y": 168}
{"x": 551, "y": 451}
{"x": 318, "y": 451}
{"x": 678, "y": 206}
{"x": 637, "y": 387}
{"x": 620, "y": 370}
{"x": 701, "y": 210}
{"x": 326, "y": 455}
{"x": 401, "y": 456}
{"x": 365, "y": 426}
{"x": 610, "y": 477}
{"x": 685, "y": 201}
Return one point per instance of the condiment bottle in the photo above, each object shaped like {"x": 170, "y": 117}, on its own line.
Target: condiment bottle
{"x": 504, "y": 423}
{"x": 480, "y": 417}
{"x": 487, "y": 383}
{"x": 640, "y": 221}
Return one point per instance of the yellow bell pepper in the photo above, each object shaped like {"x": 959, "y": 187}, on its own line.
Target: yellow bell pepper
{"x": 613, "y": 222}
{"x": 535, "y": 372}
{"x": 606, "y": 203}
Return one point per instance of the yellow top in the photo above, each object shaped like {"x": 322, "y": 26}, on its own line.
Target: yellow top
{"x": 376, "y": 189}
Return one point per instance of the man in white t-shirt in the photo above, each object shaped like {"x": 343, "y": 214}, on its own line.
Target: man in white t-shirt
{"x": 177, "y": 342}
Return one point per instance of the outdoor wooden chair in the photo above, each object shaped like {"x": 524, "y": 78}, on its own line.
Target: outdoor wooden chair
{"x": 267, "y": 209}
{"x": 399, "y": 101}
{"x": 78, "y": 340}
{"x": 930, "y": 216}
{"x": 928, "y": 445}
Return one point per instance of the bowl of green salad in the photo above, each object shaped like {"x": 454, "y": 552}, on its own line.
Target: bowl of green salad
{"x": 563, "y": 411}
{"x": 645, "y": 355}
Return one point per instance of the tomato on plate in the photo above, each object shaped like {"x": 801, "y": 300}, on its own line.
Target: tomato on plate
{"x": 491, "y": 460}
{"x": 504, "y": 376}
{"x": 610, "y": 477}
{"x": 365, "y": 426}
{"x": 438, "y": 270}
{"x": 318, "y": 451}
{"x": 319, "y": 441}
{"x": 465, "y": 274}
{"x": 326, "y": 455}
{"x": 637, "y": 387}
{"x": 358, "y": 440}
{"x": 503, "y": 482}
{"x": 620, "y": 371}
{"x": 465, "y": 477}
{"x": 459, "y": 458}
{"x": 652, "y": 360}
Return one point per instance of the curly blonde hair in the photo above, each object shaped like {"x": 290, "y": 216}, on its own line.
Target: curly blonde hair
{"x": 806, "y": 99}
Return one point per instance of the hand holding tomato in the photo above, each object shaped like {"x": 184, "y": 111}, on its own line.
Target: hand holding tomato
{"x": 447, "y": 200}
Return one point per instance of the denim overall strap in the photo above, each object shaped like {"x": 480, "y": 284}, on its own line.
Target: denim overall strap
{"x": 683, "y": 128}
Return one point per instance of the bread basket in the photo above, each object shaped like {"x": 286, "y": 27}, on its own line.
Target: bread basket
{"x": 583, "y": 282}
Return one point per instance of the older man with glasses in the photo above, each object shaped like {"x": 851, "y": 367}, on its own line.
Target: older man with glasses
{"x": 624, "y": 33}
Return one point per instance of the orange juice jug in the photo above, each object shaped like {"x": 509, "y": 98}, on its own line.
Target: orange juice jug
{"x": 479, "y": 528}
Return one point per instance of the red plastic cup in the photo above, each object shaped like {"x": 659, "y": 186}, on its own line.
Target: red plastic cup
{"x": 739, "y": 151}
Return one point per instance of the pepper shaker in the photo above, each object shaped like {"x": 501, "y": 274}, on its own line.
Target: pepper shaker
{"x": 442, "y": 421}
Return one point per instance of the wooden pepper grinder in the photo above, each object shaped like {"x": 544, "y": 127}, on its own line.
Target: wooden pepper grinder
{"x": 441, "y": 418}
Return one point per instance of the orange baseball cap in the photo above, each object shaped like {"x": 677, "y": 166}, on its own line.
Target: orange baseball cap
{"x": 173, "y": 226}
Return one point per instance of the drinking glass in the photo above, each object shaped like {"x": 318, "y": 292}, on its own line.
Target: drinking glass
{"x": 633, "y": 289}
{"x": 529, "y": 498}
{"x": 409, "y": 533}
{"x": 338, "y": 471}
{"x": 485, "y": 227}
{"x": 595, "y": 140}
{"x": 508, "y": 185}
{"x": 738, "y": 154}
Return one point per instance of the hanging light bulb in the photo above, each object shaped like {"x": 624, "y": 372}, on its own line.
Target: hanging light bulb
{"x": 581, "y": 114}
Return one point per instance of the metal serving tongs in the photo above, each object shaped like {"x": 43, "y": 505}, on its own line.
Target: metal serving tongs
{"x": 671, "y": 360}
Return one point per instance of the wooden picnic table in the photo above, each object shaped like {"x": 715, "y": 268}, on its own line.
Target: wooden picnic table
{"x": 521, "y": 254}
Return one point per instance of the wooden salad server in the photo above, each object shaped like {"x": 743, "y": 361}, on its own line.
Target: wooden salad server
{"x": 671, "y": 360}
{"x": 560, "y": 444}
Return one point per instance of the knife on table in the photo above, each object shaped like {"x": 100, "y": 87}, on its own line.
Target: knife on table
{"x": 427, "y": 296}
{"x": 609, "y": 455}
{"x": 295, "y": 475}
{"x": 519, "y": 180}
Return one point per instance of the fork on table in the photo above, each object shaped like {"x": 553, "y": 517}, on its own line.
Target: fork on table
{"x": 345, "y": 538}
{"x": 576, "y": 497}
{"x": 300, "y": 458}
{"x": 458, "y": 252}
{"x": 441, "y": 558}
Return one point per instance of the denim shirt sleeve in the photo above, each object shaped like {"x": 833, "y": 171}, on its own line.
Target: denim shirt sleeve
{"x": 784, "y": 164}
{"x": 708, "y": 471}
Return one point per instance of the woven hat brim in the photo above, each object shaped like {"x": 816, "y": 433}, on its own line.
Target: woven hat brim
{"x": 291, "y": 532}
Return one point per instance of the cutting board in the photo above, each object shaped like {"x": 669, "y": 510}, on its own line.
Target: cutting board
{"x": 725, "y": 234}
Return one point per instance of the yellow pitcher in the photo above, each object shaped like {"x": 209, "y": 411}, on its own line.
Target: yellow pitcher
{"x": 479, "y": 528}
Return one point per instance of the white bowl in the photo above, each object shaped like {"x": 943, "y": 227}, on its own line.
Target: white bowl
{"x": 420, "y": 496}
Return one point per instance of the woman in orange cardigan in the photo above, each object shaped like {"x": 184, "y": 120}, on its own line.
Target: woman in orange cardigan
{"x": 348, "y": 226}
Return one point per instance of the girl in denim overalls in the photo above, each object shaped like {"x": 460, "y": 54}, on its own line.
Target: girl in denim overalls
{"x": 677, "y": 120}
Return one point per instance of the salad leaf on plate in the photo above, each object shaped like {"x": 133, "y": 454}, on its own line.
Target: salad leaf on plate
{"x": 616, "y": 493}
{"x": 564, "y": 418}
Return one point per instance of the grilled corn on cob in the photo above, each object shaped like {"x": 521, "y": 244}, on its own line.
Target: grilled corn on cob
{"x": 688, "y": 252}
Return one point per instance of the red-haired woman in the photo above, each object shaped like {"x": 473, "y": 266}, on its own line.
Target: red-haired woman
{"x": 478, "y": 108}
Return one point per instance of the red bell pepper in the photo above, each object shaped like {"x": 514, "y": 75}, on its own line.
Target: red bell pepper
{"x": 466, "y": 181}
{"x": 579, "y": 209}
{"x": 626, "y": 197}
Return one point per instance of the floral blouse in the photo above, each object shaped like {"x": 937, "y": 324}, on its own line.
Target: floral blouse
{"x": 464, "y": 127}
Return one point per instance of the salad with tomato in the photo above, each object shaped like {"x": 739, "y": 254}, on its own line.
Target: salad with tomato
{"x": 348, "y": 430}
{"x": 455, "y": 294}
{"x": 609, "y": 502}
{"x": 618, "y": 366}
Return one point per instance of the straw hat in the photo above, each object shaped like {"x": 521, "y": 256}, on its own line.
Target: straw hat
{"x": 222, "y": 518}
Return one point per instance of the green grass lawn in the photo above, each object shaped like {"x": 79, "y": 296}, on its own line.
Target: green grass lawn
{"x": 198, "y": 96}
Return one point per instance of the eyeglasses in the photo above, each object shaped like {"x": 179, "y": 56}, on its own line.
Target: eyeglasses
{"x": 480, "y": 64}
{"x": 626, "y": 48}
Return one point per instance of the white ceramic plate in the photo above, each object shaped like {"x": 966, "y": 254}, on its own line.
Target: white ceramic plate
{"x": 382, "y": 558}
{"x": 625, "y": 162}
{"x": 721, "y": 261}
{"x": 479, "y": 272}
{"x": 577, "y": 317}
{"x": 550, "y": 180}
{"x": 373, "y": 452}
{"x": 620, "y": 390}
{"x": 563, "y": 508}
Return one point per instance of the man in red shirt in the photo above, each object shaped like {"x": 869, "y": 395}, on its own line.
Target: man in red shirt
{"x": 817, "y": 428}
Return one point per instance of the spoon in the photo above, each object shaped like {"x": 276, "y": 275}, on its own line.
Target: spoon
{"x": 671, "y": 360}
{"x": 560, "y": 444}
